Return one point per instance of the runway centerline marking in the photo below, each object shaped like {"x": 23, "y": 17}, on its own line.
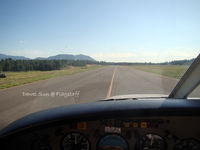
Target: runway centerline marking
{"x": 111, "y": 84}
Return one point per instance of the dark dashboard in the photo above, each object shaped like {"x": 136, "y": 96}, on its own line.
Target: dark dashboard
{"x": 165, "y": 124}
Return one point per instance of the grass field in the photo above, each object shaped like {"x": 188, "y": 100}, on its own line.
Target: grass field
{"x": 175, "y": 71}
{"x": 18, "y": 78}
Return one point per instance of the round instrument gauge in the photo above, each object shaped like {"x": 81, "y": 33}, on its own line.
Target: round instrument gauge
{"x": 187, "y": 144}
{"x": 152, "y": 142}
{"x": 112, "y": 142}
{"x": 75, "y": 141}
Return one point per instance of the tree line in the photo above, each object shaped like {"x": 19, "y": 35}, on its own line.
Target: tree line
{"x": 40, "y": 65}
{"x": 47, "y": 65}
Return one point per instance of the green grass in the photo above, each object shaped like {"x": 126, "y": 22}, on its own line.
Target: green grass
{"x": 175, "y": 71}
{"x": 19, "y": 78}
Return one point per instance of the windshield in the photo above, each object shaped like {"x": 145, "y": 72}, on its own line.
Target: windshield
{"x": 55, "y": 53}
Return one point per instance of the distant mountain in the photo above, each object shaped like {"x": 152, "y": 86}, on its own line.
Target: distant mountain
{"x": 84, "y": 57}
{"x": 2, "y": 56}
{"x": 67, "y": 57}
{"x": 56, "y": 57}
{"x": 62, "y": 57}
{"x": 40, "y": 58}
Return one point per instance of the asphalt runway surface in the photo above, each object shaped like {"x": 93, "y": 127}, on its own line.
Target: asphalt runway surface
{"x": 89, "y": 86}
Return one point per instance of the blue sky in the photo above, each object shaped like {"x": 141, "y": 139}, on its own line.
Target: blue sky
{"x": 109, "y": 30}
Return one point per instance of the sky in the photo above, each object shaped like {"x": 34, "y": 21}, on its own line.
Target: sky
{"x": 107, "y": 30}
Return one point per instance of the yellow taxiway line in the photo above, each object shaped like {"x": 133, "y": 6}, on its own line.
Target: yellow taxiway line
{"x": 111, "y": 84}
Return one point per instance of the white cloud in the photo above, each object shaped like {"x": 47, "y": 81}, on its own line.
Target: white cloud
{"x": 146, "y": 56}
{"x": 114, "y": 55}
